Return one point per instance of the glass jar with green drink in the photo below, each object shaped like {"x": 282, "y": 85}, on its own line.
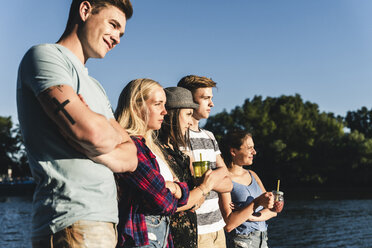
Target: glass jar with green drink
{"x": 200, "y": 167}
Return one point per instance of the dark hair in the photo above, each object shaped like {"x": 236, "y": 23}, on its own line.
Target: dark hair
{"x": 193, "y": 82}
{"x": 233, "y": 139}
{"x": 97, "y": 5}
{"x": 170, "y": 130}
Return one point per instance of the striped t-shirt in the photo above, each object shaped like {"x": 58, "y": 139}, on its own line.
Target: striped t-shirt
{"x": 209, "y": 217}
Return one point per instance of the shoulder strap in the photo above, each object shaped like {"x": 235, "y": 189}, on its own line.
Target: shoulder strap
{"x": 212, "y": 140}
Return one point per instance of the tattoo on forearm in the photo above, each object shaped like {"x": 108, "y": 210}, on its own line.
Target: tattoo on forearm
{"x": 61, "y": 107}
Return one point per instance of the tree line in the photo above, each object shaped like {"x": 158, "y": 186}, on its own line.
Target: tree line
{"x": 300, "y": 145}
{"x": 12, "y": 151}
{"x": 295, "y": 142}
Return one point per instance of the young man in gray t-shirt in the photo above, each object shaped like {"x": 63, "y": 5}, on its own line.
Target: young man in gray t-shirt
{"x": 209, "y": 218}
{"x": 73, "y": 142}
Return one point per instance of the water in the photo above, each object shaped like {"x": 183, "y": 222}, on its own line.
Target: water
{"x": 321, "y": 223}
{"x": 307, "y": 223}
{"x": 15, "y": 222}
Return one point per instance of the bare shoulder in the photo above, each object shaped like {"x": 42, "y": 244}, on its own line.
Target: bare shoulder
{"x": 243, "y": 178}
{"x": 255, "y": 175}
{"x": 258, "y": 180}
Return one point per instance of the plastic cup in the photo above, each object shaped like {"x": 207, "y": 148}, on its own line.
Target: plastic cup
{"x": 200, "y": 167}
{"x": 278, "y": 201}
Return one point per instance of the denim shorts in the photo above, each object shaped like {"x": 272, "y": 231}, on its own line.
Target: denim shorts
{"x": 255, "y": 239}
{"x": 157, "y": 231}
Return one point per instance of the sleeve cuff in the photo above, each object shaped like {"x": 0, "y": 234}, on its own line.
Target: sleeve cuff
{"x": 185, "y": 194}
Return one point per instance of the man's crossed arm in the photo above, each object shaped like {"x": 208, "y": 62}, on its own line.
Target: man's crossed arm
{"x": 104, "y": 141}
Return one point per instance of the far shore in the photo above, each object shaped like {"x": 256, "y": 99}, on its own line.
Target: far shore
{"x": 334, "y": 193}
{"x": 297, "y": 193}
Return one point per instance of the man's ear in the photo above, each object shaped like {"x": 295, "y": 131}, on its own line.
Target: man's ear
{"x": 85, "y": 10}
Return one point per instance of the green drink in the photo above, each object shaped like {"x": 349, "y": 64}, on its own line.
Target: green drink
{"x": 200, "y": 167}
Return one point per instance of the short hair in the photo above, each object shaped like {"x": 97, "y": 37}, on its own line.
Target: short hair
{"x": 193, "y": 82}
{"x": 233, "y": 139}
{"x": 97, "y": 5}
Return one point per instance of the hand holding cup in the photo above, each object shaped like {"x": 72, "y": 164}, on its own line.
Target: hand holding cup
{"x": 265, "y": 200}
{"x": 278, "y": 201}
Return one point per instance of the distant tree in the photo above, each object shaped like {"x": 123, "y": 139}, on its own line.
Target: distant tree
{"x": 12, "y": 152}
{"x": 356, "y": 151}
{"x": 8, "y": 145}
{"x": 21, "y": 167}
{"x": 360, "y": 120}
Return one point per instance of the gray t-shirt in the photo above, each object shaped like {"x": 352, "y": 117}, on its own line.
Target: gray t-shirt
{"x": 70, "y": 186}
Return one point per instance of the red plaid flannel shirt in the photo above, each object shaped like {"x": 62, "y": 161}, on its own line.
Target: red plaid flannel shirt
{"x": 141, "y": 193}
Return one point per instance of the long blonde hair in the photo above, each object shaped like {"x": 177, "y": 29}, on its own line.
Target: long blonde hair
{"x": 131, "y": 111}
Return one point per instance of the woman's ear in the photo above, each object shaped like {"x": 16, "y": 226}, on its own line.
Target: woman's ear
{"x": 142, "y": 112}
{"x": 232, "y": 152}
{"x": 85, "y": 10}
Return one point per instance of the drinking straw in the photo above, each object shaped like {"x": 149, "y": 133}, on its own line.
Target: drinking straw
{"x": 201, "y": 157}
{"x": 277, "y": 188}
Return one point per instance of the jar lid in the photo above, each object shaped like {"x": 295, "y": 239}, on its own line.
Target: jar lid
{"x": 278, "y": 192}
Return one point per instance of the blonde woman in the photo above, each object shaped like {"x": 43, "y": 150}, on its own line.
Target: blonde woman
{"x": 148, "y": 195}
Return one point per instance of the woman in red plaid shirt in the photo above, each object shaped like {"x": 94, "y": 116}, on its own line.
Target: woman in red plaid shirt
{"x": 146, "y": 199}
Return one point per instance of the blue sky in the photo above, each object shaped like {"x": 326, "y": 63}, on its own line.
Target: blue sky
{"x": 319, "y": 49}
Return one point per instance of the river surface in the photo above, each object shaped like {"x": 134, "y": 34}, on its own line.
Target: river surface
{"x": 303, "y": 223}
